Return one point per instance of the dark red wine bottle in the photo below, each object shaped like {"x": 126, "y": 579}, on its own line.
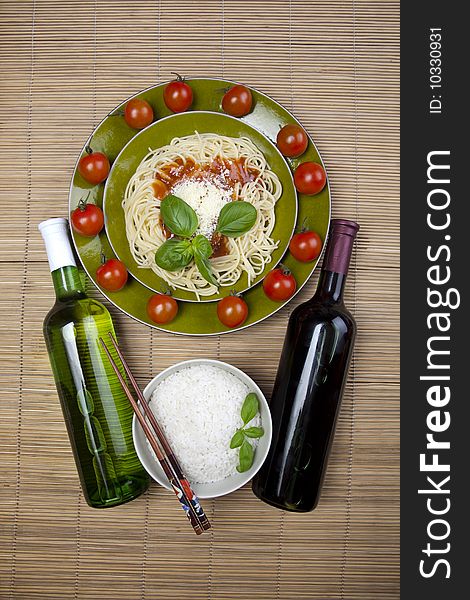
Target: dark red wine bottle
{"x": 309, "y": 384}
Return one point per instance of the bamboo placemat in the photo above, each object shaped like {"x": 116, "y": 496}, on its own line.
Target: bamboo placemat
{"x": 64, "y": 66}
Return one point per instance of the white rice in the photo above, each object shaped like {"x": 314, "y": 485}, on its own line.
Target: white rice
{"x": 198, "y": 408}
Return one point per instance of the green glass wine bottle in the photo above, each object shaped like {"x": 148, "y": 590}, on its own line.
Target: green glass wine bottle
{"x": 97, "y": 413}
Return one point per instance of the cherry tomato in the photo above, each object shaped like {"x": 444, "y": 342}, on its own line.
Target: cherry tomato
{"x": 87, "y": 219}
{"x": 94, "y": 166}
{"x": 309, "y": 178}
{"x": 232, "y": 311}
{"x": 292, "y": 141}
{"x": 162, "y": 308}
{"x": 138, "y": 113}
{"x": 178, "y": 95}
{"x": 237, "y": 101}
{"x": 305, "y": 246}
{"x": 279, "y": 284}
{"x": 112, "y": 275}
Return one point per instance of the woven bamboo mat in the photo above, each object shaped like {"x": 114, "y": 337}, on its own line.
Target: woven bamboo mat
{"x": 65, "y": 64}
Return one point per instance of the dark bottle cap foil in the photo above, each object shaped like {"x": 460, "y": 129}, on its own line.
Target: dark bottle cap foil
{"x": 339, "y": 247}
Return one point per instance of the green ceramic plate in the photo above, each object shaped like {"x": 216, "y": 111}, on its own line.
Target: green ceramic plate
{"x": 199, "y": 318}
{"x": 161, "y": 133}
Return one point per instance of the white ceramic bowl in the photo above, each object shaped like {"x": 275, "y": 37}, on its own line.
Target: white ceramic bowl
{"x": 224, "y": 486}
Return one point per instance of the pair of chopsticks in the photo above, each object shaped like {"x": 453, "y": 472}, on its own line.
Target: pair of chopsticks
{"x": 160, "y": 445}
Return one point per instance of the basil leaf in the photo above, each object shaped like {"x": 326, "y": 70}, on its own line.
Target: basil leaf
{"x": 245, "y": 457}
{"x": 236, "y": 218}
{"x": 254, "y": 432}
{"x": 237, "y": 439}
{"x": 204, "y": 267}
{"x": 250, "y": 407}
{"x": 178, "y": 216}
{"x": 202, "y": 249}
{"x": 174, "y": 255}
{"x": 202, "y": 246}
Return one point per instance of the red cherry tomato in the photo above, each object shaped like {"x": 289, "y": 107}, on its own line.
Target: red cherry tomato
{"x": 112, "y": 275}
{"x": 162, "y": 308}
{"x": 309, "y": 178}
{"x": 237, "y": 101}
{"x": 94, "y": 166}
{"x": 178, "y": 95}
{"x": 279, "y": 284}
{"x": 138, "y": 113}
{"x": 232, "y": 311}
{"x": 305, "y": 246}
{"x": 292, "y": 141}
{"x": 87, "y": 219}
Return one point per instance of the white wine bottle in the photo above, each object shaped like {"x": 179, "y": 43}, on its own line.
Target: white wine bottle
{"x": 97, "y": 413}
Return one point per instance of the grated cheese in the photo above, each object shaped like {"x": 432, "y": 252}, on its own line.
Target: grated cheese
{"x": 206, "y": 199}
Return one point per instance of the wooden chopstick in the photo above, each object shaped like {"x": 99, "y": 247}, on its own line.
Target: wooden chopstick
{"x": 177, "y": 488}
{"x": 178, "y": 471}
{"x": 177, "y": 485}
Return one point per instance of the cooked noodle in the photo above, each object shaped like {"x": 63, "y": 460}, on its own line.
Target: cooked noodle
{"x": 248, "y": 253}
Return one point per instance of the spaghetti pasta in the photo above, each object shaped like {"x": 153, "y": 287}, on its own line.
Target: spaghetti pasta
{"x": 206, "y": 171}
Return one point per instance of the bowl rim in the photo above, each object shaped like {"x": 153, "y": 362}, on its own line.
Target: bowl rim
{"x": 266, "y": 422}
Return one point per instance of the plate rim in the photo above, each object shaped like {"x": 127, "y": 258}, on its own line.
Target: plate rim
{"x": 230, "y": 117}
{"x": 227, "y": 331}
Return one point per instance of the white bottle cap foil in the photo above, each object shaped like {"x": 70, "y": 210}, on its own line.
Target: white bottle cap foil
{"x": 55, "y": 233}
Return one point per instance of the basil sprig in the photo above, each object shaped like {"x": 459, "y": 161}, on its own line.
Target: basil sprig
{"x": 246, "y": 454}
{"x": 178, "y": 216}
{"x": 174, "y": 255}
{"x": 236, "y": 218}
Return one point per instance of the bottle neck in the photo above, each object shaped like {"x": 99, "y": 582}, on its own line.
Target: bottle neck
{"x": 336, "y": 261}
{"x": 67, "y": 284}
{"x": 330, "y": 287}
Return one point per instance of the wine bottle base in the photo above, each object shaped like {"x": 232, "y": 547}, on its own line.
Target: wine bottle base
{"x": 132, "y": 489}
{"x": 281, "y": 505}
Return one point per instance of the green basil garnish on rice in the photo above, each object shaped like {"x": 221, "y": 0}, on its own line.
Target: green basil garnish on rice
{"x": 254, "y": 432}
{"x": 237, "y": 439}
{"x": 246, "y": 454}
{"x": 250, "y": 408}
{"x": 246, "y": 457}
